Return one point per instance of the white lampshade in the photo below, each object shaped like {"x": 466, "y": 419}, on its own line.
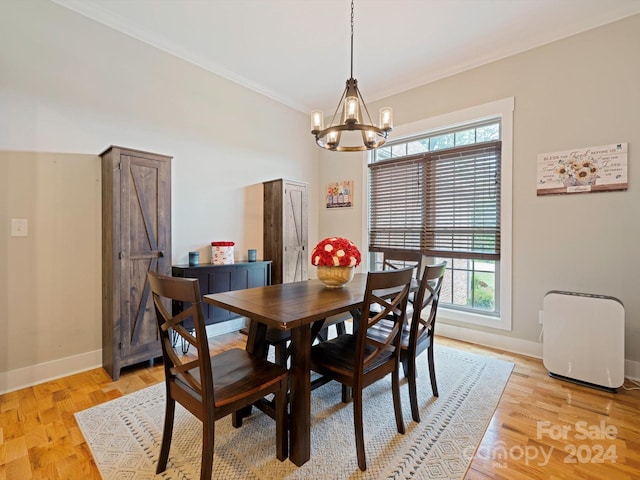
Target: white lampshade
{"x": 386, "y": 117}
{"x": 317, "y": 120}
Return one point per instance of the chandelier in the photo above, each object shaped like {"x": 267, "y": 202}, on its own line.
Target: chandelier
{"x": 354, "y": 133}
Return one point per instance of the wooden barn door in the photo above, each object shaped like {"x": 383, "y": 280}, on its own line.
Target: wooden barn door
{"x": 295, "y": 233}
{"x": 146, "y": 204}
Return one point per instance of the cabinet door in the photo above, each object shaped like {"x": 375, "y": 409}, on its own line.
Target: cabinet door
{"x": 295, "y": 234}
{"x": 220, "y": 279}
{"x": 251, "y": 275}
{"x": 145, "y": 241}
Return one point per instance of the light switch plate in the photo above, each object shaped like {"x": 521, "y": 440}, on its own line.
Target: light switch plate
{"x": 19, "y": 227}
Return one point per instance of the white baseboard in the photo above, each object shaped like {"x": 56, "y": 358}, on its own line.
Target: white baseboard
{"x": 508, "y": 344}
{"x": 514, "y": 345}
{"x": 44, "y": 372}
{"x": 226, "y": 327}
{"x": 632, "y": 370}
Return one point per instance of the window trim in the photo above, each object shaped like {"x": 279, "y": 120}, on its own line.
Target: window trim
{"x": 504, "y": 110}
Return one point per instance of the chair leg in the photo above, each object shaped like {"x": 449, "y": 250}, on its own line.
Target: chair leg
{"x": 167, "y": 434}
{"x": 238, "y": 415}
{"x": 413, "y": 391}
{"x": 359, "y": 428}
{"x": 432, "y": 370}
{"x": 397, "y": 405}
{"x": 347, "y": 393}
{"x": 341, "y": 328}
{"x": 405, "y": 365}
{"x": 208, "y": 437}
{"x": 282, "y": 423}
{"x": 281, "y": 353}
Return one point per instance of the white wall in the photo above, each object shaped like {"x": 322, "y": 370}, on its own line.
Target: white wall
{"x": 69, "y": 88}
{"x": 578, "y": 92}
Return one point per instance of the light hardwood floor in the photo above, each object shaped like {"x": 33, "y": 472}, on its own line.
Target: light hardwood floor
{"x": 537, "y": 432}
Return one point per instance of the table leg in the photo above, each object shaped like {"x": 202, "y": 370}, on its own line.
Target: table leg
{"x": 256, "y": 339}
{"x": 300, "y": 396}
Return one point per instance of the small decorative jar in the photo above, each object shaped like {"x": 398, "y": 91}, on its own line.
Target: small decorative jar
{"x": 222, "y": 253}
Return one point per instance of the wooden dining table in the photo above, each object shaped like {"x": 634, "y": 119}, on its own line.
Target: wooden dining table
{"x": 294, "y": 307}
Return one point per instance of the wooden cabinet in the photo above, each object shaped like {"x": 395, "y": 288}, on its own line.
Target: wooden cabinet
{"x": 222, "y": 278}
{"x": 285, "y": 240}
{"x": 136, "y": 238}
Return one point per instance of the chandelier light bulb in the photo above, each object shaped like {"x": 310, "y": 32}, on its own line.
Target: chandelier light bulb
{"x": 317, "y": 121}
{"x": 370, "y": 136}
{"x": 352, "y": 109}
{"x": 386, "y": 118}
{"x": 332, "y": 138}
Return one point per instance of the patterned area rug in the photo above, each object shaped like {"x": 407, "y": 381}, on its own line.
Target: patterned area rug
{"x": 124, "y": 434}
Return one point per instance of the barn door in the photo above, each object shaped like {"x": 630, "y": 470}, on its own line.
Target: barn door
{"x": 295, "y": 233}
{"x": 146, "y": 246}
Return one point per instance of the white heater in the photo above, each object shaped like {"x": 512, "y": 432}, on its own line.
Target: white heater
{"x": 584, "y": 338}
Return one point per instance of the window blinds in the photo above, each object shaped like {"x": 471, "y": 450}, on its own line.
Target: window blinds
{"x": 445, "y": 203}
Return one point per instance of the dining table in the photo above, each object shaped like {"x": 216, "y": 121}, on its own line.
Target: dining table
{"x": 298, "y": 307}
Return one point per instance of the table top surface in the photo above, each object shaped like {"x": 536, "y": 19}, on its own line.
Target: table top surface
{"x": 290, "y": 305}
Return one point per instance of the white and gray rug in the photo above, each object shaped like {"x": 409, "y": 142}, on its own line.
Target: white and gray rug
{"x": 124, "y": 434}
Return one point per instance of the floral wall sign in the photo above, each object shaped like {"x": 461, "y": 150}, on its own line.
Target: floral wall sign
{"x": 339, "y": 194}
{"x": 583, "y": 170}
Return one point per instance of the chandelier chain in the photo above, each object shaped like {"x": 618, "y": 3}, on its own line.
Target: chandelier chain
{"x": 352, "y": 38}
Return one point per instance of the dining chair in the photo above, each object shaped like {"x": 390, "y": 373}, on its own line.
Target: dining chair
{"x": 356, "y": 360}
{"x": 210, "y": 387}
{"x": 417, "y": 335}
{"x": 395, "y": 258}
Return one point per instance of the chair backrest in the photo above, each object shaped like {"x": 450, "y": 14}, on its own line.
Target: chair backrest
{"x": 388, "y": 291}
{"x": 396, "y": 258}
{"x": 183, "y": 370}
{"x": 425, "y": 305}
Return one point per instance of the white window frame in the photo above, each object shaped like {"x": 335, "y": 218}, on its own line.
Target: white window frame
{"x": 504, "y": 110}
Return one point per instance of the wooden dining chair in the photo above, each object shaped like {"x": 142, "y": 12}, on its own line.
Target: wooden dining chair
{"x": 418, "y": 333}
{"x": 394, "y": 258}
{"x": 210, "y": 387}
{"x": 356, "y": 360}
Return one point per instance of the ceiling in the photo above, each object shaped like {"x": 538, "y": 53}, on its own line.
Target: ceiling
{"x": 297, "y": 51}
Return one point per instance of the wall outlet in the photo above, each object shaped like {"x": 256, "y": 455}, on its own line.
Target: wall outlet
{"x": 19, "y": 227}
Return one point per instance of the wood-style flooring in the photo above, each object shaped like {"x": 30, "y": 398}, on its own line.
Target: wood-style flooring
{"x": 542, "y": 429}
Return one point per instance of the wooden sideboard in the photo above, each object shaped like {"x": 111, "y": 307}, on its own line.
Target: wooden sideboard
{"x": 222, "y": 278}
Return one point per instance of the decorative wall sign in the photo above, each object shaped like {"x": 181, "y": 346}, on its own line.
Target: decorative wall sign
{"x": 339, "y": 194}
{"x": 583, "y": 170}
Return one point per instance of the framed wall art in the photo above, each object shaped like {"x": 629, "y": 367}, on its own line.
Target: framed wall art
{"x": 339, "y": 194}
{"x": 583, "y": 170}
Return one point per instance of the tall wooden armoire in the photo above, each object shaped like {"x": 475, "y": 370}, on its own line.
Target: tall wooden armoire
{"x": 136, "y": 238}
{"x": 285, "y": 240}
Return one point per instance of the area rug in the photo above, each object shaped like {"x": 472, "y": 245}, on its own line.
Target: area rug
{"x": 124, "y": 434}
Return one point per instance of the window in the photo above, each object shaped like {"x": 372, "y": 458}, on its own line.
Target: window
{"x": 442, "y": 192}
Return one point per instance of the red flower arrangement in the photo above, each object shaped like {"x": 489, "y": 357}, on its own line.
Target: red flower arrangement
{"x": 336, "y": 252}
